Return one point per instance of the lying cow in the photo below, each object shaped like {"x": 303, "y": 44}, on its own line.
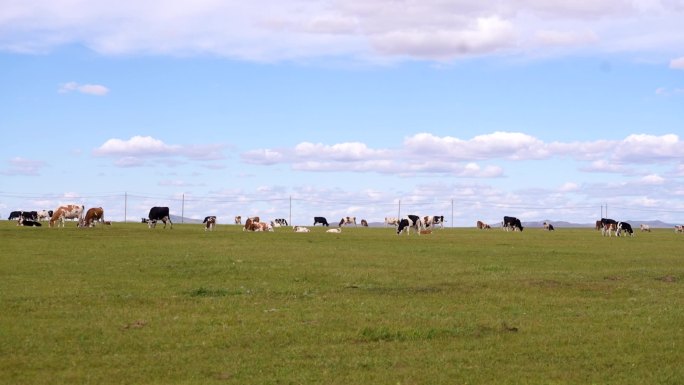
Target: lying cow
{"x": 300, "y": 229}
{"x": 337, "y": 230}
{"x": 28, "y": 223}
{"x": 644, "y": 227}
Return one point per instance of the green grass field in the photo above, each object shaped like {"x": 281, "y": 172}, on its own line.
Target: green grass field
{"x": 129, "y": 305}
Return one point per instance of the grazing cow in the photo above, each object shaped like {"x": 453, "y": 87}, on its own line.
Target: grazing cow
{"x": 209, "y": 222}
{"x": 434, "y": 220}
{"x": 599, "y": 225}
{"x": 143, "y": 220}
{"x": 626, "y": 227}
{"x": 679, "y": 228}
{"x": 644, "y": 227}
{"x": 28, "y": 222}
{"x": 607, "y": 226}
{"x": 321, "y": 220}
{"x": 92, "y": 215}
{"x": 300, "y": 229}
{"x": 66, "y": 212}
{"x": 481, "y": 225}
{"x": 394, "y": 221}
{"x": 279, "y": 222}
{"x": 14, "y": 215}
{"x": 238, "y": 219}
{"x": 511, "y": 223}
{"x": 337, "y": 230}
{"x": 45, "y": 215}
{"x": 548, "y": 226}
{"x": 158, "y": 214}
{"x": 347, "y": 221}
{"x": 410, "y": 221}
{"x": 364, "y": 223}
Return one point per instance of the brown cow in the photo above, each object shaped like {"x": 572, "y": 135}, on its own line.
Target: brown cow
{"x": 364, "y": 223}
{"x": 66, "y": 212}
{"x": 92, "y": 215}
{"x": 481, "y": 225}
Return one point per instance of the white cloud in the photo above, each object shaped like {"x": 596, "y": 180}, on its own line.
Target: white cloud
{"x": 379, "y": 29}
{"x": 134, "y": 151}
{"x": 653, "y": 179}
{"x": 89, "y": 89}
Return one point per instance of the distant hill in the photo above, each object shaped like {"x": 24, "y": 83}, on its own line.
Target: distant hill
{"x": 179, "y": 219}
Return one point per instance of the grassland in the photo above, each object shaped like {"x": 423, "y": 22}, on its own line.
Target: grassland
{"x": 129, "y": 305}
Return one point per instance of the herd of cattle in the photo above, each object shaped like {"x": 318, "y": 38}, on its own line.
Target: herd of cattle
{"x": 420, "y": 225}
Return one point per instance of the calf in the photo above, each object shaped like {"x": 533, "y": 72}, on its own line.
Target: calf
{"x": 300, "y": 229}
{"x": 481, "y": 225}
{"x": 548, "y": 226}
{"x": 347, "y": 221}
{"x": 644, "y": 227}
{"x": 364, "y": 223}
{"x": 337, "y": 230}
{"x": 209, "y": 223}
{"x": 238, "y": 220}
{"x": 321, "y": 220}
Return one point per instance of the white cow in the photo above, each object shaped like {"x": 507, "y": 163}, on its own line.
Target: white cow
{"x": 645, "y": 228}
{"x": 300, "y": 229}
{"x": 337, "y": 230}
{"x": 394, "y": 221}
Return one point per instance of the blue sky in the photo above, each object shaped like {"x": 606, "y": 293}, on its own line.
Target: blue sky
{"x": 525, "y": 108}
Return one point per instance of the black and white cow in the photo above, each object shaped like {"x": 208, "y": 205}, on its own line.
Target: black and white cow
{"x": 158, "y": 214}
{"x": 626, "y": 227}
{"x": 45, "y": 215}
{"x": 347, "y": 221}
{"x": 28, "y": 222}
{"x": 410, "y": 221}
{"x": 14, "y": 215}
{"x": 548, "y": 226}
{"x": 209, "y": 223}
{"x": 607, "y": 226}
{"x": 279, "y": 222}
{"x": 434, "y": 220}
{"x": 321, "y": 220}
{"x": 511, "y": 223}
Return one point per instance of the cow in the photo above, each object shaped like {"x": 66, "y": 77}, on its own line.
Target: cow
{"x": 410, "y": 221}
{"x": 158, "y": 214}
{"x": 300, "y": 229}
{"x": 92, "y": 215}
{"x": 337, "y": 230}
{"x": 28, "y": 222}
{"x": 481, "y": 225}
{"x": 599, "y": 225}
{"x": 14, "y": 215}
{"x": 626, "y": 227}
{"x": 66, "y": 212}
{"x": 347, "y": 221}
{"x": 321, "y": 220}
{"x": 45, "y": 215}
{"x": 260, "y": 226}
{"x": 394, "y": 221}
{"x": 238, "y": 220}
{"x": 608, "y": 225}
{"x": 548, "y": 226}
{"x": 679, "y": 228}
{"x": 646, "y": 228}
{"x": 279, "y": 222}
{"x": 431, "y": 221}
{"x": 29, "y": 215}
{"x": 250, "y": 223}
{"x": 364, "y": 223}
{"x": 511, "y": 223}
{"x": 209, "y": 223}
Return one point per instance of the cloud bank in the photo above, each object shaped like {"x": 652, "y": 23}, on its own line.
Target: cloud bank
{"x": 375, "y": 30}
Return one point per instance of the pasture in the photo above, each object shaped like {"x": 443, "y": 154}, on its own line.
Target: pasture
{"x": 124, "y": 304}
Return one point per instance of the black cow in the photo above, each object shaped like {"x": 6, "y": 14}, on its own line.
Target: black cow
{"x": 321, "y": 220}
{"x": 410, "y": 221}
{"x": 512, "y": 223}
{"x": 158, "y": 214}
{"x": 14, "y": 215}
{"x": 608, "y": 225}
{"x": 626, "y": 227}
